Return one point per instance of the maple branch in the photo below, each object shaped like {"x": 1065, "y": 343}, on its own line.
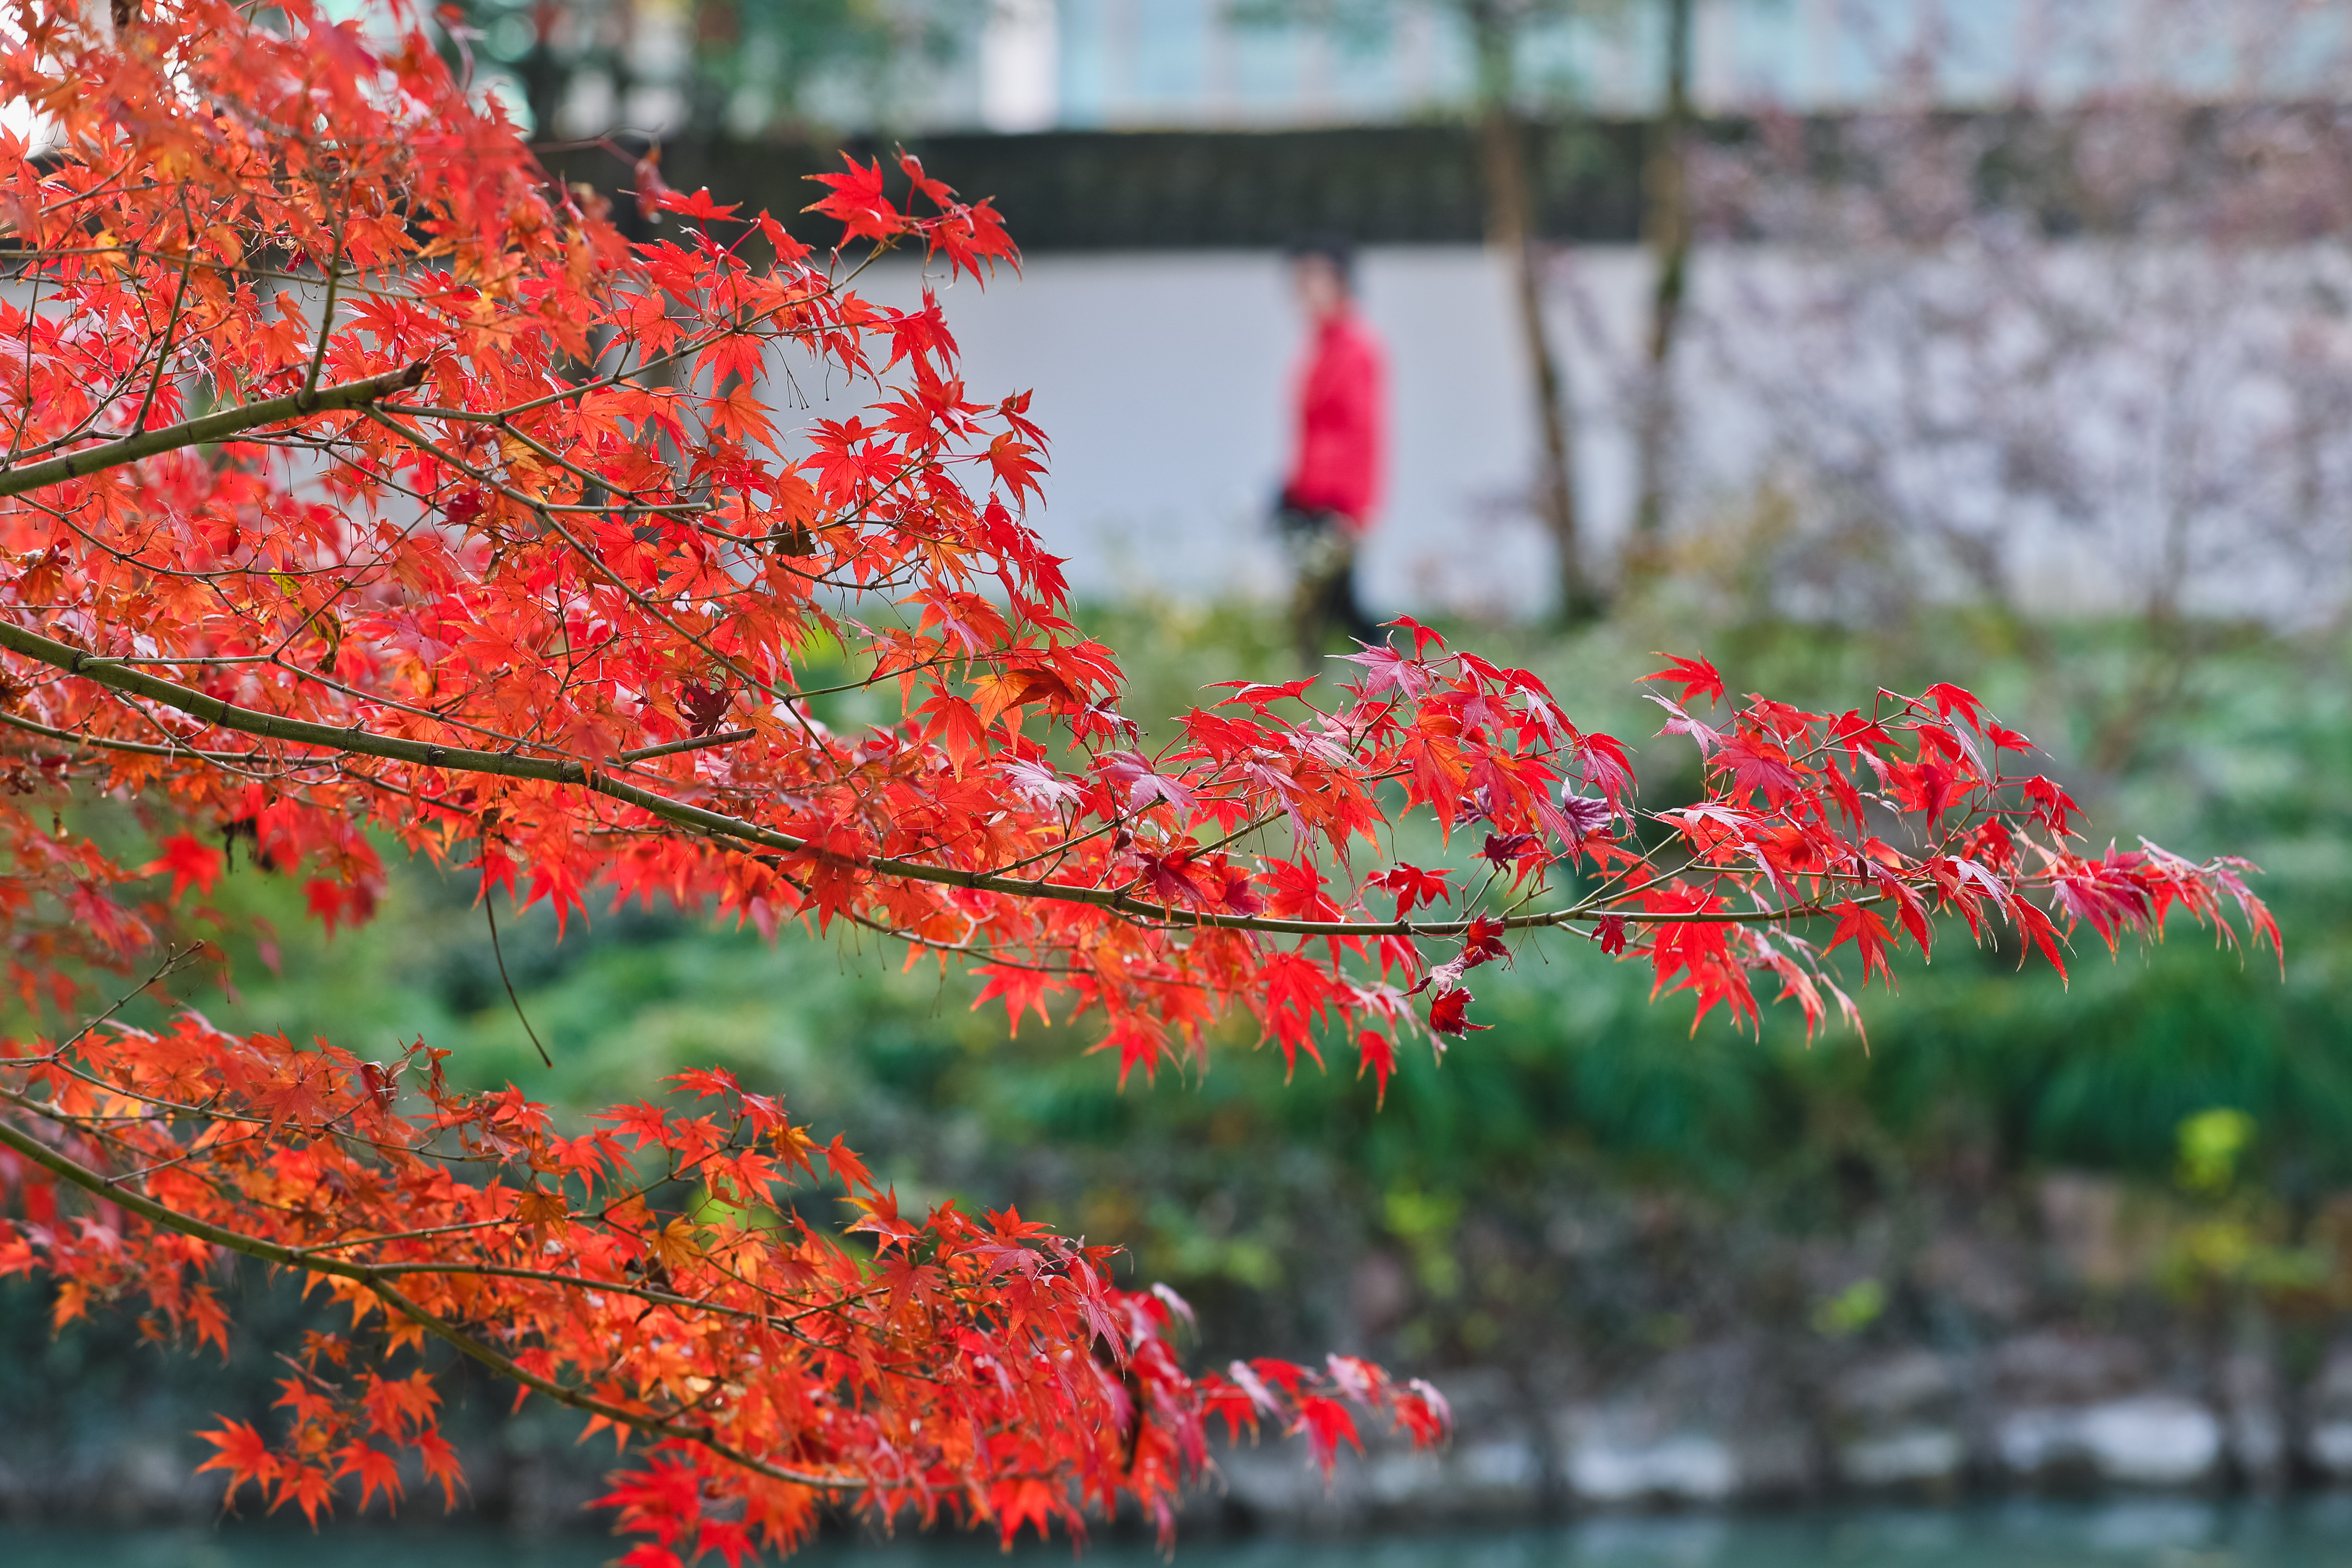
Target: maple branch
{"x": 228, "y": 715}
{"x": 209, "y": 427}
{"x": 68, "y": 1169}
{"x": 384, "y": 1238}
{"x": 327, "y": 312}
{"x": 697, "y": 743}
{"x": 621, "y": 1288}
{"x": 164, "y": 349}
{"x": 143, "y": 747}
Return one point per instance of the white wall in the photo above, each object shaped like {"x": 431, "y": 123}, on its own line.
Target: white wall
{"x": 1916, "y": 394}
{"x": 1162, "y": 381}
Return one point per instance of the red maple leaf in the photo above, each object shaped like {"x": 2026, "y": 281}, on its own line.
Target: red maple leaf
{"x": 187, "y": 861}
{"x": 1377, "y": 1056}
{"x": 377, "y": 1470}
{"x": 1168, "y": 877}
{"x": 846, "y": 1166}
{"x": 1239, "y": 894}
{"x": 1412, "y": 886}
{"x": 1583, "y": 815}
{"x": 1679, "y": 722}
{"x": 647, "y": 1123}
{"x": 1862, "y": 926}
{"x": 1015, "y": 464}
{"x": 1328, "y": 1424}
{"x": 858, "y": 201}
{"x": 705, "y": 706}
{"x": 1259, "y": 695}
{"x": 1422, "y": 636}
{"x": 1385, "y": 670}
{"x": 1021, "y": 987}
{"x": 1950, "y": 699}
{"x": 240, "y": 1450}
{"x": 2052, "y": 806}
{"x": 698, "y": 205}
{"x": 1759, "y": 764}
{"x": 1483, "y": 942}
{"x": 1503, "y": 849}
{"x": 1696, "y": 678}
{"x": 1449, "y": 1013}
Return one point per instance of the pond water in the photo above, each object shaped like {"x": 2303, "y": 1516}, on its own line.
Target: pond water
{"x": 2142, "y": 1533}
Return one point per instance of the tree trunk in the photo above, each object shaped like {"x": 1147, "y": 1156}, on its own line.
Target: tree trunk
{"x": 1667, "y": 224}
{"x": 545, "y": 75}
{"x": 1510, "y": 229}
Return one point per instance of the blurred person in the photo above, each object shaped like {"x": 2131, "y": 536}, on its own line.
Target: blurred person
{"x": 1338, "y": 452}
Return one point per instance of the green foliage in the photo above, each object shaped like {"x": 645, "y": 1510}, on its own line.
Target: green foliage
{"x": 2210, "y": 1143}
{"x": 1852, "y": 1310}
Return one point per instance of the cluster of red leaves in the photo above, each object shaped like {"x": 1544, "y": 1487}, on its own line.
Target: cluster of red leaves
{"x": 651, "y": 1271}
{"x": 363, "y": 486}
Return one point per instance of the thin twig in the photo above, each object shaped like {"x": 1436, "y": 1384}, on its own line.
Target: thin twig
{"x": 490, "y": 908}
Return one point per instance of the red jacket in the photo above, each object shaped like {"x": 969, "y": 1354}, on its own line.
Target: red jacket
{"x": 1341, "y": 453}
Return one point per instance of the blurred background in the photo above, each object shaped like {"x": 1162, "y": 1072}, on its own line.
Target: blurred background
{"x": 1857, "y": 343}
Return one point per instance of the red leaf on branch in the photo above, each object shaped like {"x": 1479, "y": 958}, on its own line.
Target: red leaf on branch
{"x": 2054, "y": 808}
{"x": 1168, "y": 879}
{"x": 651, "y": 189}
{"x": 699, "y": 206}
{"x": 1483, "y": 942}
{"x": 377, "y": 1470}
{"x": 1449, "y": 1013}
{"x": 1020, "y": 988}
{"x": 857, "y": 201}
{"x": 2044, "y": 935}
{"x": 188, "y": 861}
{"x": 1679, "y": 722}
{"x": 848, "y": 1168}
{"x": 1385, "y": 670}
{"x": 1412, "y": 887}
{"x": 706, "y": 706}
{"x": 1328, "y": 1424}
{"x": 1257, "y": 695}
{"x": 1377, "y": 1056}
{"x": 1422, "y": 636}
{"x": 1862, "y": 926}
{"x": 1696, "y": 677}
{"x": 1583, "y": 815}
{"x": 1017, "y": 467}
{"x": 1950, "y": 699}
{"x": 1760, "y": 765}
{"x": 238, "y": 1449}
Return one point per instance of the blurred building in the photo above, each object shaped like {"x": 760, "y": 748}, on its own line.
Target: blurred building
{"x": 755, "y": 67}
{"x": 1166, "y": 64}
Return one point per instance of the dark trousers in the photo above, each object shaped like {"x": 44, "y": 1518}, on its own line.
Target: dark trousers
{"x": 1323, "y": 562}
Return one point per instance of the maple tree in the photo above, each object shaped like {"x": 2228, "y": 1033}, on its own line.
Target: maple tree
{"x": 367, "y": 491}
